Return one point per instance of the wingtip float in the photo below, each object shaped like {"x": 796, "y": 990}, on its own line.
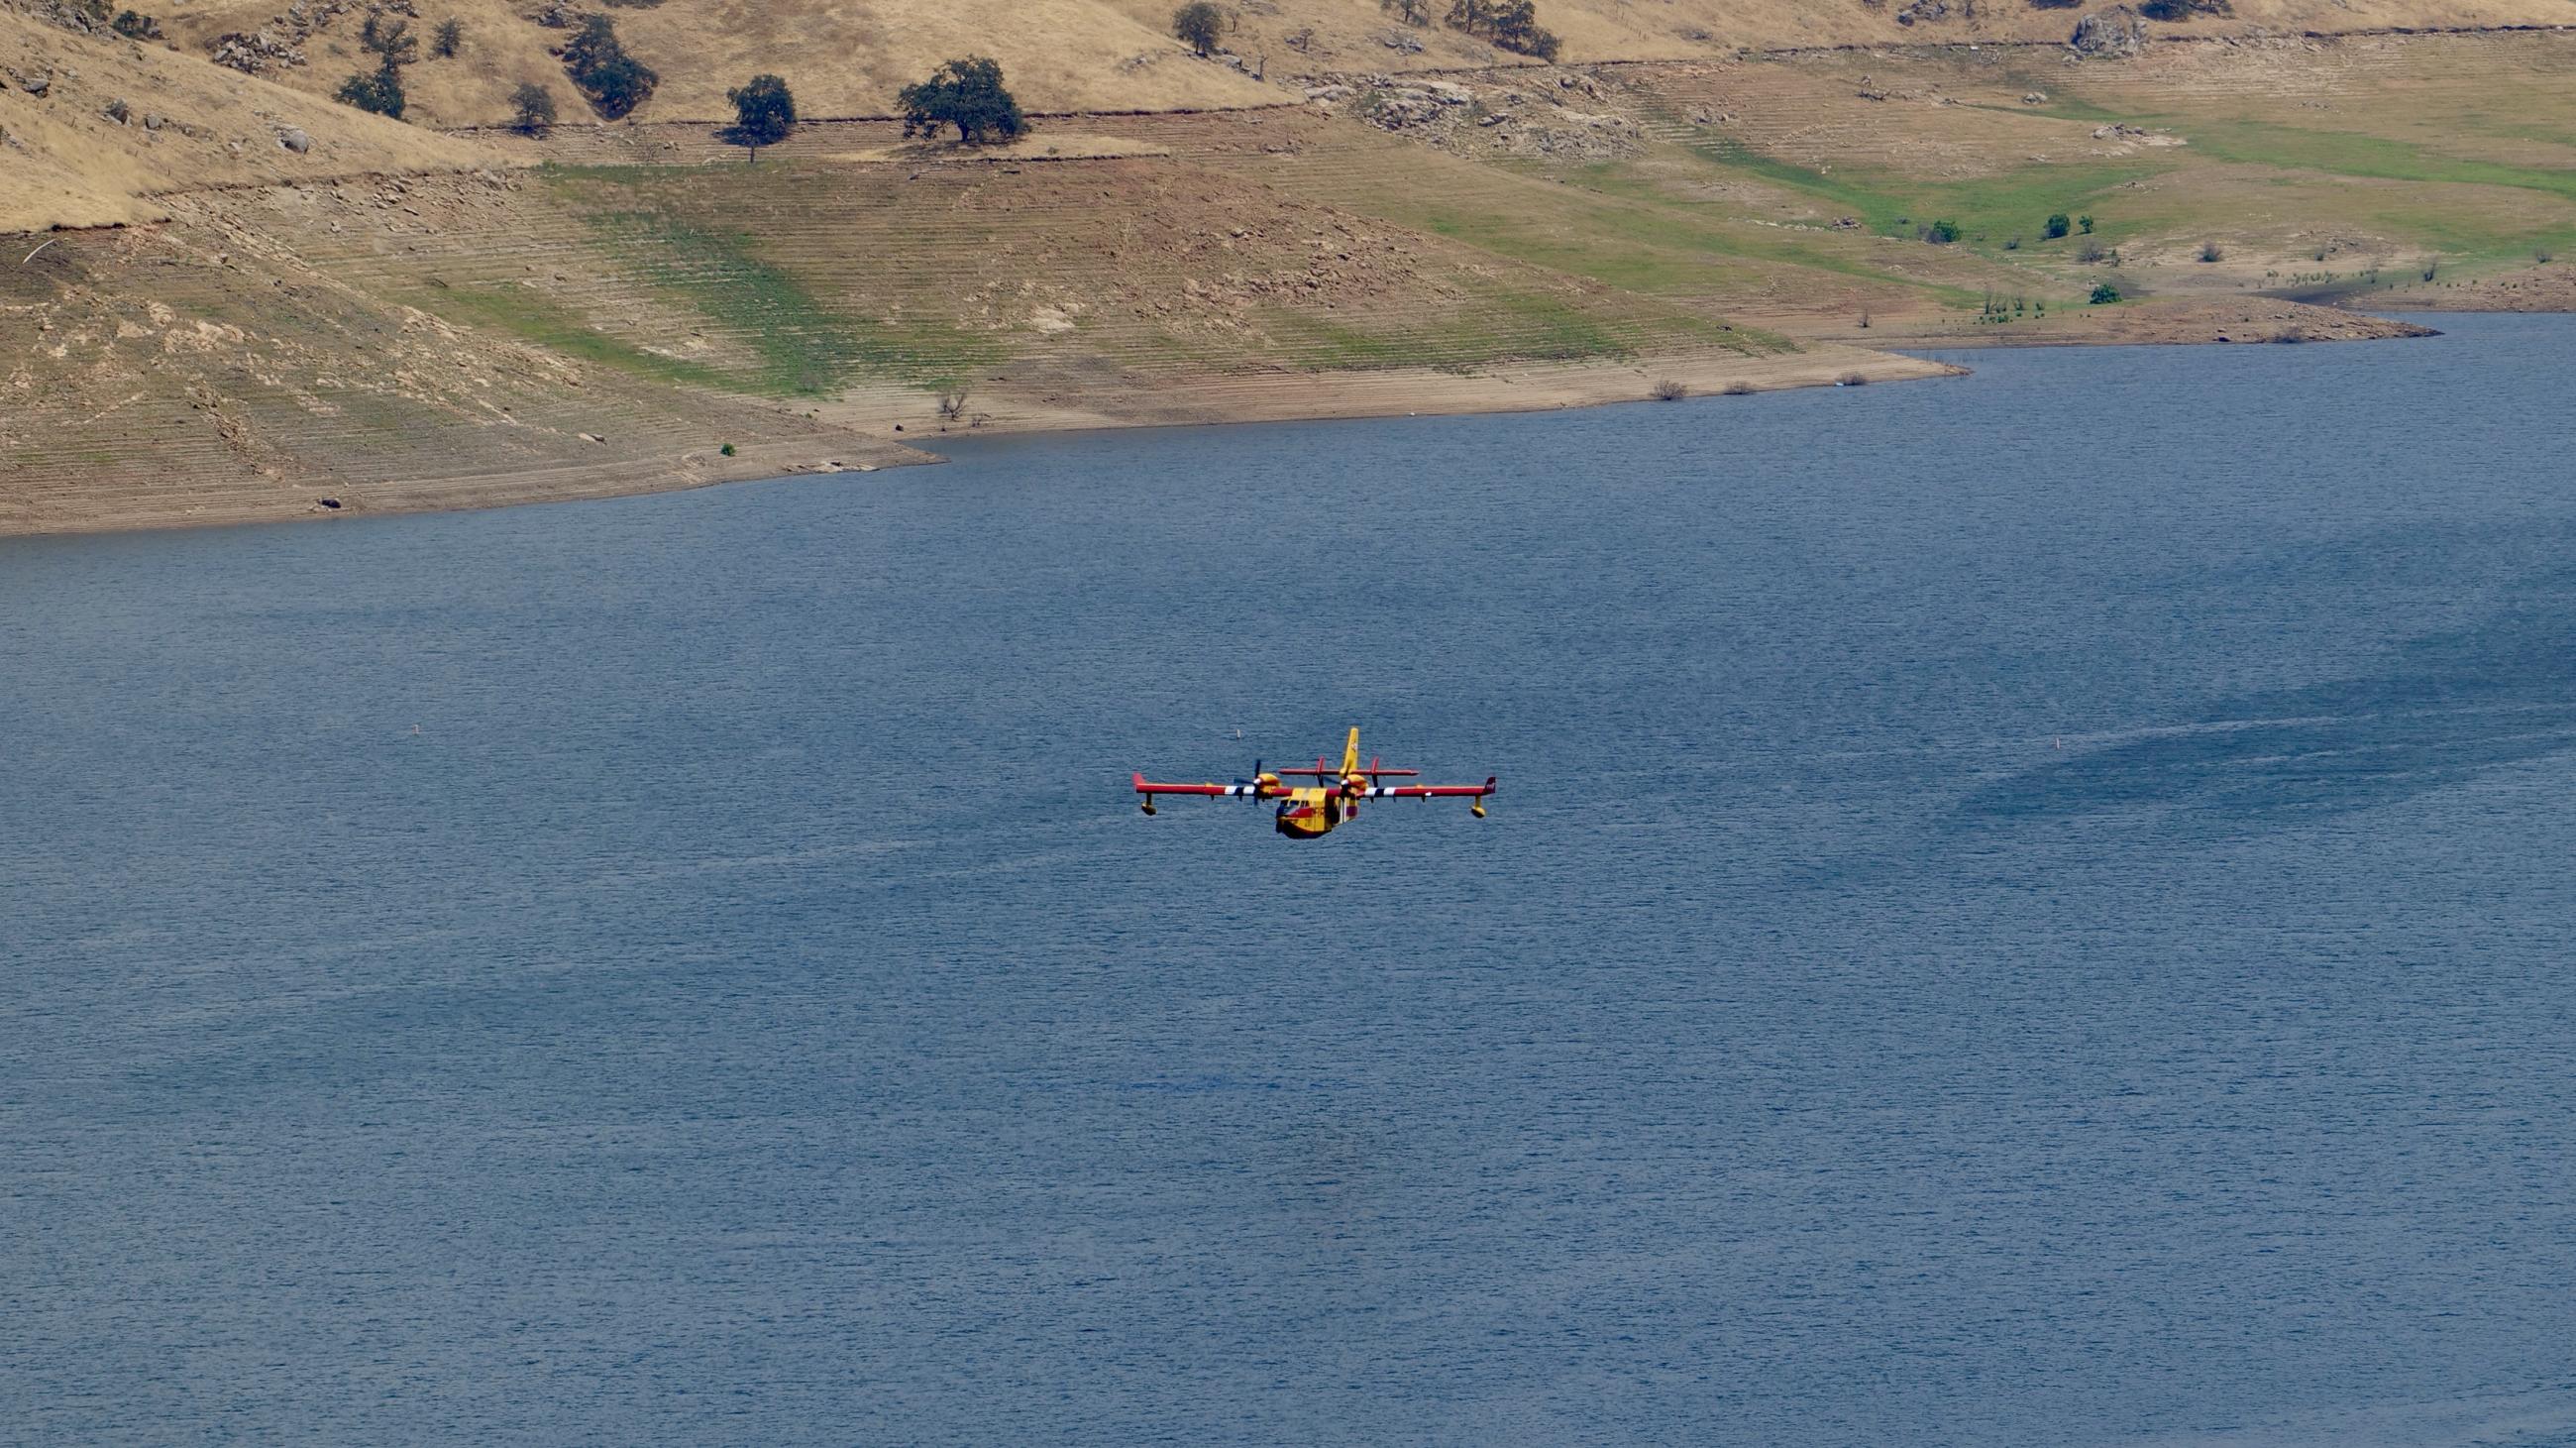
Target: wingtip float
{"x": 1308, "y": 810}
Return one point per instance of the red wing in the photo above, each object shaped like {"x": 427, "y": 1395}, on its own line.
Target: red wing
{"x": 1434, "y": 791}
{"x": 1213, "y": 791}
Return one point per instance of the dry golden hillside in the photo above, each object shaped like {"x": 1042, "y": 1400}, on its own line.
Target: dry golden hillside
{"x": 842, "y": 59}
{"x": 67, "y": 161}
{"x": 848, "y": 57}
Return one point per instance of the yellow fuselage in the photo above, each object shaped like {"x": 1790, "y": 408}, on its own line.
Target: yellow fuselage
{"x": 1313, "y": 810}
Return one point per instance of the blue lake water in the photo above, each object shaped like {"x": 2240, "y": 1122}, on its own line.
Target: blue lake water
{"x": 2032, "y": 910}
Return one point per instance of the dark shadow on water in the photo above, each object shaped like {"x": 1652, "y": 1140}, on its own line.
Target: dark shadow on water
{"x": 2447, "y": 707}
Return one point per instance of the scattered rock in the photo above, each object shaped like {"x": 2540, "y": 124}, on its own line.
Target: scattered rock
{"x": 255, "y": 53}
{"x": 2116, "y": 33}
{"x": 72, "y": 15}
{"x": 37, "y": 85}
{"x": 293, "y": 139}
{"x": 118, "y": 110}
{"x": 591, "y": 437}
{"x": 328, "y": 502}
{"x": 2034, "y": 98}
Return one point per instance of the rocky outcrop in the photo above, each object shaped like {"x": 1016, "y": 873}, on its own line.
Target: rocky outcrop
{"x": 2113, "y": 34}
{"x": 280, "y": 43}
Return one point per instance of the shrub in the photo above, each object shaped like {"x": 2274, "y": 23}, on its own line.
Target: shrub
{"x": 2543, "y": 257}
{"x": 532, "y": 109}
{"x": 2209, "y": 252}
{"x": 727, "y": 449}
{"x": 2090, "y": 252}
{"x": 614, "y": 82}
{"x": 967, "y": 94}
{"x": 2086, "y": 223}
{"x": 2170, "y": 11}
{"x": 1411, "y": 12}
{"x": 443, "y": 43}
{"x": 2431, "y": 268}
{"x": 764, "y": 112}
{"x": 2012, "y": 243}
{"x": 2056, "y": 226}
{"x": 379, "y": 90}
{"x": 394, "y": 44}
{"x": 1941, "y": 233}
{"x": 1510, "y": 24}
{"x": 134, "y": 25}
{"x": 1200, "y": 24}
{"x": 1669, "y": 390}
{"x": 2104, "y": 292}
{"x": 1851, "y": 379}
{"x": 1737, "y": 389}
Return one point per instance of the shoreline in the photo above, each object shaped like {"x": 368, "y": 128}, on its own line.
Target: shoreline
{"x": 855, "y": 434}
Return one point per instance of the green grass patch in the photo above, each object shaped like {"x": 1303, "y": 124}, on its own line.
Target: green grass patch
{"x": 2346, "y": 153}
{"x": 2009, "y": 203}
{"x": 532, "y": 317}
{"x": 648, "y": 217}
{"x": 805, "y": 349}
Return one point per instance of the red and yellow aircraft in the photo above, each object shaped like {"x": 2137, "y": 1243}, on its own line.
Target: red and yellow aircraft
{"x": 1308, "y": 810}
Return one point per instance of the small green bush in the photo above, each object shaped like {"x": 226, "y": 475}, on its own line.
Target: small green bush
{"x": 2056, "y": 227}
{"x": 379, "y": 91}
{"x": 2105, "y": 292}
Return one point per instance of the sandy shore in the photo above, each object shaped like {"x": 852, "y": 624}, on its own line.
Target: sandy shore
{"x": 1007, "y": 404}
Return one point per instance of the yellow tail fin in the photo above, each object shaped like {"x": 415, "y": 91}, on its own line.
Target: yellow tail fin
{"x": 1351, "y": 752}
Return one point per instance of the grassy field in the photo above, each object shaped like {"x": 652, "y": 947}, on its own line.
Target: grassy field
{"x": 2302, "y": 170}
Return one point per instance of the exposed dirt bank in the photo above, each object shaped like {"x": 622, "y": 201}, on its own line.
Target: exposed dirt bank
{"x": 2154, "y": 321}
{"x": 2546, "y": 288}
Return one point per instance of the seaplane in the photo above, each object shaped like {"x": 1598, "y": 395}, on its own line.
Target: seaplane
{"x": 1308, "y": 810}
